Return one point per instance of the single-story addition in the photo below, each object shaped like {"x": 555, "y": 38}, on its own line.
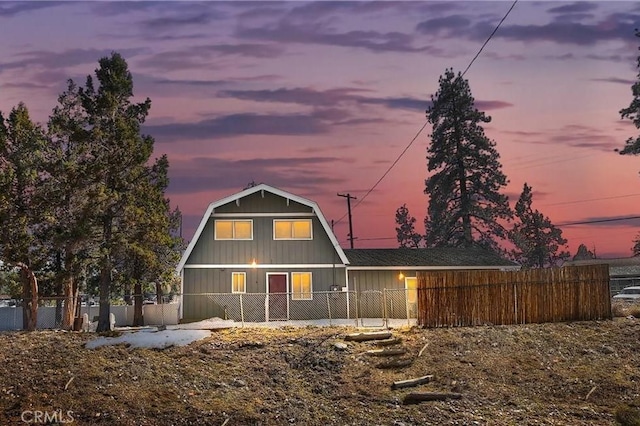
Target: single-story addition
{"x": 623, "y": 271}
{"x": 274, "y": 252}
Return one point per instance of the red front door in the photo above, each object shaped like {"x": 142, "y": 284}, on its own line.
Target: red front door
{"x": 277, "y": 306}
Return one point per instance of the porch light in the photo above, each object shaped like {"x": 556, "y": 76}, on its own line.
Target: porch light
{"x": 400, "y": 276}
{"x": 254, "y": 263}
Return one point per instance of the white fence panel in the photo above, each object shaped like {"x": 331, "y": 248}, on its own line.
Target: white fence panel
{"x": 163, "y": 314}
{"x": 10, "y": 318}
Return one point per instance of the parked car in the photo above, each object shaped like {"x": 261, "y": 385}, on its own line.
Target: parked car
{"x": 629, "y": 294}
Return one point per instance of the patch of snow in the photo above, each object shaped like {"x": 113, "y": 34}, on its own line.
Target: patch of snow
{"x": 207, "y": 324}
{"x": 151, "y": 339}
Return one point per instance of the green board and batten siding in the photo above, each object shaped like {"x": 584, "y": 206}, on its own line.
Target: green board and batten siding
{"x": 263, "y": 248}
{"x": 210, "y": 263}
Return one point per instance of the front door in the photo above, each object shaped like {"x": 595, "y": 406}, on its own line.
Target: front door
{"x": 277, "y": 304}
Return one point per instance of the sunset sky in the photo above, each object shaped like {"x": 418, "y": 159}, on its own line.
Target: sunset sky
{"x": 320, "y": 98}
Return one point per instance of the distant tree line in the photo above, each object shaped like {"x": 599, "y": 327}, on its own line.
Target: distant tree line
{"x": 82, "y": 203}
{"x": 466, "y": 207}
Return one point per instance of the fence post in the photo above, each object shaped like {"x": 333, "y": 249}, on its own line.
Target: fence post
{"x": 515, "y": 302}
{"x": 357, "y": 297}
{"x": 406, "y": 303}
{"x": 328, "y": 307}
{"x": 241, "y": 310}
{"x": 385, "y": 320}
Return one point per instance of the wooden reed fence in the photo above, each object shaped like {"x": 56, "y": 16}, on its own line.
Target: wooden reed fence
{"x": 480, "y": 297}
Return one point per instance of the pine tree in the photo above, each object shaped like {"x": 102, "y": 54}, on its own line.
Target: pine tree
{"x": 632, "y": 145}
{"x": 584, "y": 253}
{"x": 538, "y": 243}
{"x": 466, "y": 207}
{"x": 632, "y": 112}
{"x": 152, "y": 249}
{"x": 405, "y": 231}
{"x": 22, "y": 144}
{"x": 119, "y": 153}
{"x": 70, "y": 192}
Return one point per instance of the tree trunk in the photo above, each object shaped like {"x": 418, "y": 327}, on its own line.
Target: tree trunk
{"x": 127, "y": 292}
{"x": 105, "y": 294}
{"x": 29, "y": 297}
{"x": 59, "y": 288}
{"x": 159, "y": 294}
{"x": 70, "y": 300}
{"x": 105, "y": 278}
{"x": 138, "y": 320}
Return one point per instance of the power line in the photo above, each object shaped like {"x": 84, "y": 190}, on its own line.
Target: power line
{"x": 426, "y": 122}
{"x": 591, "y": 199}
{"x": 494, "y": 31}
{"x": 586, "y": 222}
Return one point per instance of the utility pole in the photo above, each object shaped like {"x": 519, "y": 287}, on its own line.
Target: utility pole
{"x": 349, "y": 197}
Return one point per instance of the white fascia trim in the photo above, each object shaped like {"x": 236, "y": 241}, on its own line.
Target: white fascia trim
{"x": 259, "y": 266}
{"x": 252, "y": 190}
{"x": 242, "y": 215}
{"x": 430, "y": 268}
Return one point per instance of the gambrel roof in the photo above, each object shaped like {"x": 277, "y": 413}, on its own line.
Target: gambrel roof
{"x": 431, "y": 258}
{"x": 252, "y": 190}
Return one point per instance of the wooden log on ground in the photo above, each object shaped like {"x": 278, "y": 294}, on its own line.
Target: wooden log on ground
{"x": 363, "y": 337}
{"x": 418, "y": 397}
{"x": 411, "y": 382}
{"x": 395, "y": 363}
{"x": 388, "y": 342}
{"x": 386, "y": 352}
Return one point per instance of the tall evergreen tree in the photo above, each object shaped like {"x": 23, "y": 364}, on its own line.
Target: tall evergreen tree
{"x": 22, "y": 144}
{"x": 538, "y": 243}
{"x": 405, "y": 230}
{"x": 632, "y": 145}
{"x": 152, "y": 248}
{"x": 119, "y": 153}
{"x": 632, "y": 112}
{"x": 466, "y": 207}
{"x": 71, "y": 189}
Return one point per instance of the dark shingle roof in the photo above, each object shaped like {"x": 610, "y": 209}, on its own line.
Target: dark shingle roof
{"x": 425, "y": 257}
{"x": 618, "y": 267}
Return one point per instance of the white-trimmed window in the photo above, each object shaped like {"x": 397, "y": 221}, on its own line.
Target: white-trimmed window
{"x": 301, "y": 288}
{"x": 299, "y": 229}
{"x": 233, "y": 229}
{"x": 238, "y": 282}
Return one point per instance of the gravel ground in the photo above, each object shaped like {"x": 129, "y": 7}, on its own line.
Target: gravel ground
{"x": 581, "y": 373}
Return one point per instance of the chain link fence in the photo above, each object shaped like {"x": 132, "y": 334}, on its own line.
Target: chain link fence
{"x": 384, "y": 308}
{"x": 367, "y": 309}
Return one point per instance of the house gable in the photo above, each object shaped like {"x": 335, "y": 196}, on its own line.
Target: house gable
{"x": 262, "y": 204}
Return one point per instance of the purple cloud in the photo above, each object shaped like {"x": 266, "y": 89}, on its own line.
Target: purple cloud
{"x": 238, "y": 125}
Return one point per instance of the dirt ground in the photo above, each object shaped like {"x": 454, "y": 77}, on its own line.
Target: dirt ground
{"x": 581, "y": 373}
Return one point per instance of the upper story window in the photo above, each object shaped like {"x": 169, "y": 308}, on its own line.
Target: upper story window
{"x": 299, "y": 229}
{"x": 233, "y": 230}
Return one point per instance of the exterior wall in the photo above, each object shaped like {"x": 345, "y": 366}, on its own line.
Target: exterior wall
{"x": 360, "y": 281}
{"x": 197, "y": 306}
{"x": 263, "y": 248}
{"x": 270, "y": 203}
{"x": 369, "y": 285}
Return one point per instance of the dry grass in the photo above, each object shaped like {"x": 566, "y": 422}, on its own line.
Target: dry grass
{"x": 581, "y": 373}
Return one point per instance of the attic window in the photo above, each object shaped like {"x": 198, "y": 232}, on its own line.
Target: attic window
{"x": 233, "y": 230}
{"x": 292, "y": 229}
